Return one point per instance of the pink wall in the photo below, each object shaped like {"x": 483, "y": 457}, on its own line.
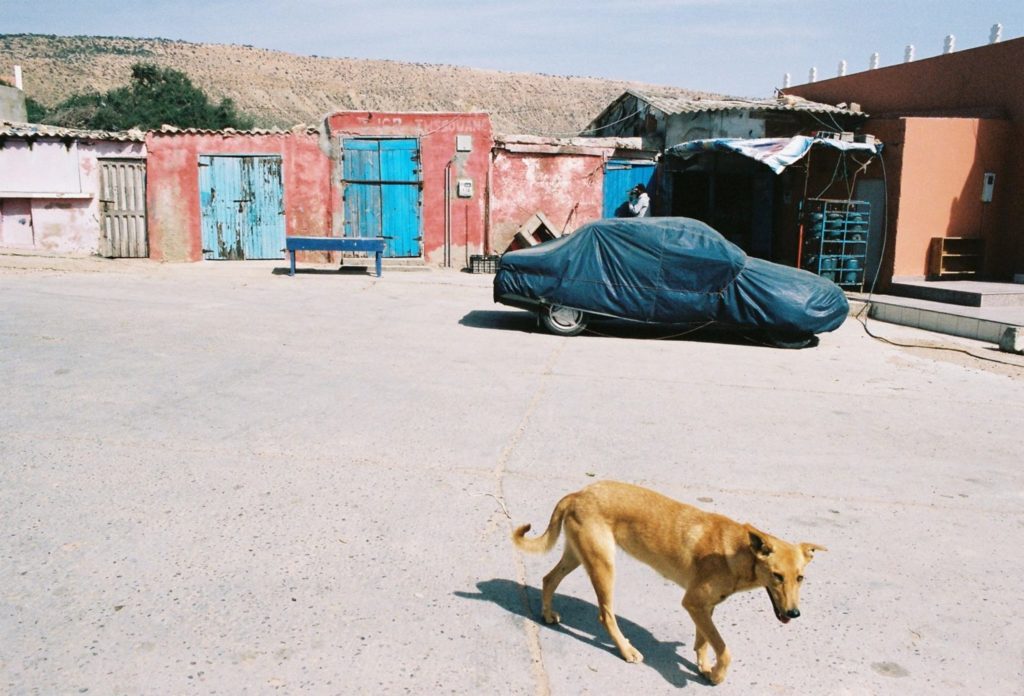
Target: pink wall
{"x": 979, "y": 83}
{"x": 566, "y": 188}
{"x": 175, "y": 232}
{"x": 436, "y": 133}
{"x": 66, "y": 222}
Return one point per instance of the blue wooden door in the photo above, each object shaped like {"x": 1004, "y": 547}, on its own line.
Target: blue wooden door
{"x": 619, "y": 177}
{"x": 242, "y": 206}
{"x": 382, "y": 192}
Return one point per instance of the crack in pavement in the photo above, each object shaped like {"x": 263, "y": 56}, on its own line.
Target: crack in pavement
{"x": 542, "y": 685}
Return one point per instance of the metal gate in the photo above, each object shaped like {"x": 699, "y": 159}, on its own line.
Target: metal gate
{"x": 242, "y": 204}
{"x": 123, "y": 208}
{"x": 619, "y": 177}
{"x": 381, "y": 180}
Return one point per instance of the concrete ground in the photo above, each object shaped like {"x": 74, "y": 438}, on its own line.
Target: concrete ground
{"x": 215, "y": 478}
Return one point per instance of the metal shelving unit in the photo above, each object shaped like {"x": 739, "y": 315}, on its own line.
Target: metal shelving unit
{"x": 835, "y": 240}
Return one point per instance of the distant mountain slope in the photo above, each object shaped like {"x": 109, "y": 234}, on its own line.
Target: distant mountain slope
{"x": 283, "y": 89}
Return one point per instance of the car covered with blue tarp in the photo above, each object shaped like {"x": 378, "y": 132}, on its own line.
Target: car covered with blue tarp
{"x": 665, "y": 270}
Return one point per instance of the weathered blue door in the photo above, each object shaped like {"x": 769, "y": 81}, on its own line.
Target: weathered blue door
{"x": 619, "y": 177}
{"x": 242, "y": 206}
{"x": 381, "y": 179}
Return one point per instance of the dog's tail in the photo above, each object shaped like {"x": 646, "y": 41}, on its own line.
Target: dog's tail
{"x": 545, "y": 541}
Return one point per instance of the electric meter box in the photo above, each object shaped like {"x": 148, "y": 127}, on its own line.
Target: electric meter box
{"x": 988, "y": 185}
{"x": 464, "y": 188}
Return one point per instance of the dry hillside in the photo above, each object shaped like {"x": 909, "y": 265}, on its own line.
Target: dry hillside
{"x": 283, "y": 89}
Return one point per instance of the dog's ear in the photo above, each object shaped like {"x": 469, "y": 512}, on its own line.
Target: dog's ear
{"x": 809, "y": 550}
{"x": 759, "y": 542}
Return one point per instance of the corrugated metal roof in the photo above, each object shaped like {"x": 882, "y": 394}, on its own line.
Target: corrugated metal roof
{"x": 11, "y": 129}
{"x": 671, "y": 104}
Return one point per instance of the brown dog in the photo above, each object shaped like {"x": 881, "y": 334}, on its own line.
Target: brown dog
{"x": 709, "y": 555}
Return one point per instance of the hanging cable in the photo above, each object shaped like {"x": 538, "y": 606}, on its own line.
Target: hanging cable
{"x": 862, "y": 315}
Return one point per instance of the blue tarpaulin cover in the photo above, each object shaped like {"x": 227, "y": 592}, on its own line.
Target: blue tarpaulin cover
{"x": 777, "y": 153}
{"x": 667, "y": 270}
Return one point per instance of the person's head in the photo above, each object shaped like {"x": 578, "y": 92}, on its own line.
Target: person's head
{"x": 640, "y": 188}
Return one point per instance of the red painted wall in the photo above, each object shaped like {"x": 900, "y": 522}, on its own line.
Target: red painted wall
{"x": 943, "y": 161}
{"x": 172, "y": 177}
{"x": 566, "y": 188}
{"x": 436, "y": 133}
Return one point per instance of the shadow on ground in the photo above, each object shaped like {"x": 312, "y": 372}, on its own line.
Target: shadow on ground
{"x": 579, "y": 620}
{"x": 507, "y": 320}
{"x": 351, "y": 270}
{"x": 523, "y": 321}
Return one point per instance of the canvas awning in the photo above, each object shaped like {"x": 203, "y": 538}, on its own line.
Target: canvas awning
{"x": 777, "y": 153}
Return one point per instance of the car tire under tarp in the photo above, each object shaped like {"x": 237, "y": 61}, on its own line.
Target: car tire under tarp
{"x": 791, "y": 339}
{"x": 562, "y": 321}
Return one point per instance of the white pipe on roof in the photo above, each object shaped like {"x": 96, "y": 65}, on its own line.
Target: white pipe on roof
{"x": 949, "y": 45}
{"x": 997, "y": 34}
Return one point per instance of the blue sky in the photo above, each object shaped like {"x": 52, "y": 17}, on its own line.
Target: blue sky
{"x": 739, "y": 47}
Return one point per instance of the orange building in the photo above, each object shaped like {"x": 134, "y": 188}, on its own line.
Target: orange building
{"x": 953, "y": 129}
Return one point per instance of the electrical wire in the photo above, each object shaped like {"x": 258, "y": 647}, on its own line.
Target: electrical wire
{"x": 862, "y": 315}
{"x": 835, "y": 174}
{"x": 863, "y": 322}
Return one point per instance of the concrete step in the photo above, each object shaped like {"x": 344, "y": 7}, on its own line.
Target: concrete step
{"x": 967, "y": 293}
{"x": 976, "y": 323}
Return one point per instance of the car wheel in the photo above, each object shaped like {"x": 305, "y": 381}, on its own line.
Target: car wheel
{"x": 792, "y": 339}
{"x": 563, "y": 321}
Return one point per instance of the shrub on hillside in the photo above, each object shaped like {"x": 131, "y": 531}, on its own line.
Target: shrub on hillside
{"x": 156, "y": 96}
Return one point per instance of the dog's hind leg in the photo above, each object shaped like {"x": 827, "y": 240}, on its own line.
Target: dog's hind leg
{"x": 598, "y": 556}
{"x": 568, "y": 563}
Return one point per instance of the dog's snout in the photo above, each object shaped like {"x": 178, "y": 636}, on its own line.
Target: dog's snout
{"x": 793, "y": 613}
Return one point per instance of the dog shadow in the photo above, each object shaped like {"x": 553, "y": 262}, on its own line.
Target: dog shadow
{"x": 579, "y": 620}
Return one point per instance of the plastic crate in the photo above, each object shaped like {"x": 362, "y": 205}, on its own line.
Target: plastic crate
{"x": 479, "y": 263}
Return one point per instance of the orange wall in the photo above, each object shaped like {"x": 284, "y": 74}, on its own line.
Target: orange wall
{"x": 943, "y": 164}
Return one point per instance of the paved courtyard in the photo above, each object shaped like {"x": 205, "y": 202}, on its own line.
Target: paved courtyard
{"x": 215, "y": 478}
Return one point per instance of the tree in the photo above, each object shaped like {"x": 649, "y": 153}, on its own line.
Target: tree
{"x": 156, "y": 96}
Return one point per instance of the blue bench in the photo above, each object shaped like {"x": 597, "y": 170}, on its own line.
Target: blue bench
{"x": 374, "y": 244}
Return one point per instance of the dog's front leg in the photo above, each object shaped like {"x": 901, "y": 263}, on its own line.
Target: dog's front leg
{"x": 700, "y": 611}
{"x": 700, "y": 646}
